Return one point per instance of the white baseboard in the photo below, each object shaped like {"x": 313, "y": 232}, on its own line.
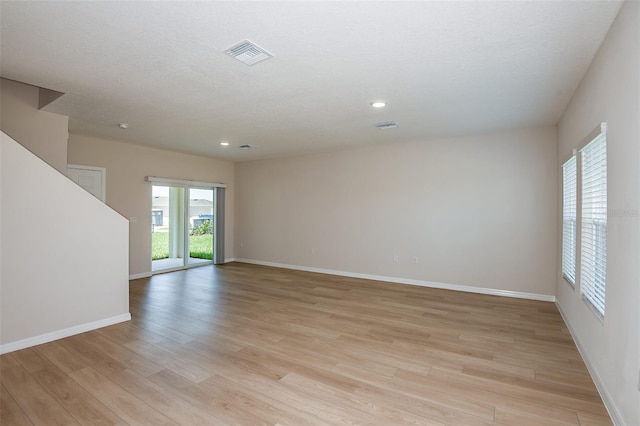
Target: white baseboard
{"x": 229, "y": 259}
{"x": 61, "y": 334}
{"x": 469, "y": 289}
{"x": 614, "y": 413}
{"x": 138, "y": 276}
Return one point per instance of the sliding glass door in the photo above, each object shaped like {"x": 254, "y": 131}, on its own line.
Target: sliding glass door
{"x": 182, "y": 230}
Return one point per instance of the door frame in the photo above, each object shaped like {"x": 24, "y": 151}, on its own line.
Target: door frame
{"x": 159, "y": 181}
{"x": 169, "y": 183}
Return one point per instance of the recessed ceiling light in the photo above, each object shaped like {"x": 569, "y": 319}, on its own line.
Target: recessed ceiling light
{"x": 378, "y": 104}
{"x": 224, "y": 143}
{"x": 123, "y": 125}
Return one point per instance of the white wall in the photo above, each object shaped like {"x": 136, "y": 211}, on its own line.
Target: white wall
{"x": 477, "y": 211}
{"x": 130, "y": 195}
{"x": 43, "y": 133}
{"x": 64, "y": 264}
{"x": 610, "y": 91}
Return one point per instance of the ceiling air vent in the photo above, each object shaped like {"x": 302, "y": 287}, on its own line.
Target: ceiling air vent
{"x": 247, "y": 146}
{"x": 386, "y": 125}
{"x": 248, "y": 53}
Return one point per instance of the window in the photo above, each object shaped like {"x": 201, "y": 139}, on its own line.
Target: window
{"x": 569, "y": 219}
{"x": 593, "y": 265}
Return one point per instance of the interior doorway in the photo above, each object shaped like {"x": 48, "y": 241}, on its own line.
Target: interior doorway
{"x": 92, "y": 179}
{"x": 182, "y": 229}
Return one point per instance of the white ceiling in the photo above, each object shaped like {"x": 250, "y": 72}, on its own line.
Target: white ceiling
{"x": 444, "y": 68}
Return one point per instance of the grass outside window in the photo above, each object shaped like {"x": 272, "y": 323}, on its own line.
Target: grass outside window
{"x": 200, "y": 246}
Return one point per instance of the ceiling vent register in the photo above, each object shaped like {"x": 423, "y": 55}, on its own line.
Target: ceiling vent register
{"x": 247, "y": 146}
{"x": 248, "y": 53}
{"x": 387, "y": 125}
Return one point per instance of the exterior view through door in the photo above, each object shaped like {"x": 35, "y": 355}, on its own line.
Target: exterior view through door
{"x": 182, "y": 227}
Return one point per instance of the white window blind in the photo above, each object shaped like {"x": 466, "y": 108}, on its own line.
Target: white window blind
{"x": 569, "y": 219}
{"x": 593, "y": 265}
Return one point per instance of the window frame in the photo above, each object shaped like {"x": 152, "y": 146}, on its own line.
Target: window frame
{"x": 570, "y": 176}
{"x": 593, "y": 224}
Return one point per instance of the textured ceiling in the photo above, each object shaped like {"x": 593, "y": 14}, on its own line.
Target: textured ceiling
{"x": 444, "y": 68}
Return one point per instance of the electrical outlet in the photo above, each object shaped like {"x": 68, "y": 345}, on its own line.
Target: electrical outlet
{"x": 241, "y": 244}
{"x": 396, "y": 258}
{"x": 414, "y": 259}
{"x": 133, "y": 219}
{"x": 312, "y": 251}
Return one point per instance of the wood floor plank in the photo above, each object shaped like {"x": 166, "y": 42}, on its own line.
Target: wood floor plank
{"x": 126, "y": 332}
{"x": 85, "y": 408}
{"x": 589, "y": 419}
{"x": 38, "y": 405}
{"x": 172, "y": 406}
{"x": 528, "y": 360}
{"x": 267, "y": 409}
{"x": 371, "y": 404}
{"x": 466, "y": 394}
{"x": 415, "y": 393}
{"x": 221, "y": 408}
{"x": 543, "y": 411}
{"x": 481, "y": 384}
{"x": 121, "y": 353}
{"x": 171, "y": 362}
{"x": 505, "y": 417}
{"x": 289, "y": 410}
{"x": 251, "y": 345}
{"x": 8, "y": 361}
{"x": 124, "y": 404}
{"x": 10, "y": 412}
{"x": 30, "y": 359}
{"x": 334, "y": 409}
{"x": 576, "y": 392}
{"x": 60, "y": 357}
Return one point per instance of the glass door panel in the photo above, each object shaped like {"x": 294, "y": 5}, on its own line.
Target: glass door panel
{"x": 167, "y": 228}
{"x": 201, "y": 225}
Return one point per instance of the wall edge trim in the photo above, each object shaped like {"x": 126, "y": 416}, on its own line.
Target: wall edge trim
{"x": 61, "y": 334}
{"x": 397, "y": 280}
{"x": 609, "y": 404}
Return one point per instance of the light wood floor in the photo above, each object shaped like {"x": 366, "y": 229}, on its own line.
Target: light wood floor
{"x": 250, "y": 345}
